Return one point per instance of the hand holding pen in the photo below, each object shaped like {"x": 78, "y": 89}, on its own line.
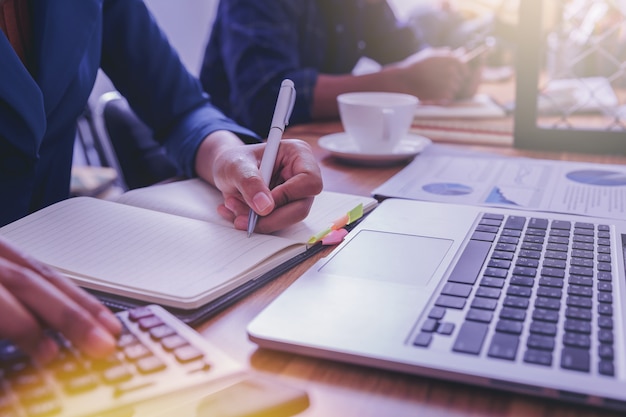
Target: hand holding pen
{"x": 282, "y": 113}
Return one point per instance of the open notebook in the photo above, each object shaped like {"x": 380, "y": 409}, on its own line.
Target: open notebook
{"x": 166, "y": 244}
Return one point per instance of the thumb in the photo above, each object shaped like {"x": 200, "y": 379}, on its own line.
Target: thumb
{"x": 256, "y": 193}
{"x": 261, "y": 202}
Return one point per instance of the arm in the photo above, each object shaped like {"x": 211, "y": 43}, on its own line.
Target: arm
{"x": 203, "y": 140}
{"x": 147, "y": 71}
{"x": 409, "y": 66}
{"x": 431, "y": 75}
{"x": 254, "y": 45}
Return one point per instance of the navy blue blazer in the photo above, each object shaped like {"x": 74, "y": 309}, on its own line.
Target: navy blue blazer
{"x": 72, "y": 39}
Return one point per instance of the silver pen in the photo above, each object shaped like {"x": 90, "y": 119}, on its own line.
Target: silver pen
{"x": 282, "y": 112}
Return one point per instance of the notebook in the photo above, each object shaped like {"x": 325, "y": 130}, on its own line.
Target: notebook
{"x": 167, "y": 245}
{"x": 516, "y": 300}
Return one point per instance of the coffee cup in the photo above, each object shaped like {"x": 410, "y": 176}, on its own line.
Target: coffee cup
{"x": 376, "y": 121}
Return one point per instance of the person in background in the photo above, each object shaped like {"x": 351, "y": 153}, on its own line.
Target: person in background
{"x": 254, "y": 44}
{"x": 50, "y": 53}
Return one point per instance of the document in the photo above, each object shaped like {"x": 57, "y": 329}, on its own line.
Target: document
{"x": 531, "y": 184}
{"x": 479, "y": 120}
{"x": 164, "y": 244}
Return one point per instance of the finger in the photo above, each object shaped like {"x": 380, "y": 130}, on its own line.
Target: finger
{"x": 293, "y": 204}
{"x": 300, "y": 173}
{"x": 65, "y": 285}
{"x": 297, "y": 188}
{"x": 59, "y": 311}
{"x": 22, "y": 328}
{"x": 83, "y": 299}
{"x": 262, "y": 202}
{"x": 236, "y": 205}
{"x": 226, "y": 213}
{"x": 284, "y": 215}
{"x": 254, "y": 192}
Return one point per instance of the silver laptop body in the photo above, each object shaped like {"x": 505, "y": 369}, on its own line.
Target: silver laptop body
{"x": 398, "y": 294}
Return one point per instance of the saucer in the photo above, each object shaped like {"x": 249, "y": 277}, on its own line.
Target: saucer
{"x": 341, "y": 146}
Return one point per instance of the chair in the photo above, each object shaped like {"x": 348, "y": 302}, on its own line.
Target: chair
{"x": 127, "y": 144}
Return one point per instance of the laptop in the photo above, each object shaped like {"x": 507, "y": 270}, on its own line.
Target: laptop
{"x": 525, "y": 301}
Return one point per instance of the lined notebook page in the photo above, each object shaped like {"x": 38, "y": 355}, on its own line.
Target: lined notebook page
{"x": 172, "y": 259}
{"x": 327, "y": 207}
{"x": 191, "y": 198}
{"x": 196, "y": 199}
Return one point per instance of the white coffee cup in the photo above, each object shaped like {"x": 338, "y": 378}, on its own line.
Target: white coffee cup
{"x": 376, "y": 121}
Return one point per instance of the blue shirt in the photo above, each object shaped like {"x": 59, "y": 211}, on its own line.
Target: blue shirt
{"x": 255, "y": 44}
{"x": 39, "y": 108}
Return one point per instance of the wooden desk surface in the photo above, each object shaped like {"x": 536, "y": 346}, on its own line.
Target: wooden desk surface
{"x": 344, "y": 390}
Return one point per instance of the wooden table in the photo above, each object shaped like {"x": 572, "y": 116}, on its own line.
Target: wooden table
{"x": 343, "y": 390}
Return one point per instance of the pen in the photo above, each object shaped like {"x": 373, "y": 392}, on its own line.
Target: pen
{"x": 282, "y": 112}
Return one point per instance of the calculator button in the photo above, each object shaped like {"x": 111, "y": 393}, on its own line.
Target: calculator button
{"x": 136, "y": 351}
{"x": 159, "y": 332}
{"x": 150, "y": 364}
{"x": 146, "y": 323}
{"x": 117, "y": 374}
{"x": 173, "y": 342}
{"x": 139, "y": 313}
{"x": 81, "y": 384}
{"x": 188, "y": 354}
{"x": 43, "y": 408}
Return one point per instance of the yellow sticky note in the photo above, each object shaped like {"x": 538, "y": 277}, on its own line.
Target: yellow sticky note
{"x": 355, "y": 214}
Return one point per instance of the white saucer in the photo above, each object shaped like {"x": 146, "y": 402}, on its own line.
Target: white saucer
{"x": 341, "y": 146}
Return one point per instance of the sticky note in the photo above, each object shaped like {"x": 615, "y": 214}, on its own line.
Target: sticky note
{"x": 353, "y": 215}
{"x": 334, "y": 237}
{"x": 318, "y": 236}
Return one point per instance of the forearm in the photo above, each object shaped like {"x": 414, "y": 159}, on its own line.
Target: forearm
{"x": 430, "y": 75}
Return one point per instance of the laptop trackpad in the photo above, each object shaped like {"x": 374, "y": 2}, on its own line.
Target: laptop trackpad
{"x": 392, "y": 257}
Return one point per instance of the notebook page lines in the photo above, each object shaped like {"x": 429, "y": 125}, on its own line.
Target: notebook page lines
{"x": 124, "y": 246}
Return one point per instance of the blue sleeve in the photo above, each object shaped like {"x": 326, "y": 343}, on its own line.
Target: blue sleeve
{"x": 145, "y": 69}
{"x": 258, "y": 47}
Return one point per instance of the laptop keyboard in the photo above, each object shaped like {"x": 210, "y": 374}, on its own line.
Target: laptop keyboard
{"x": 157, "y": 355}
{"x": 531, "y": 290}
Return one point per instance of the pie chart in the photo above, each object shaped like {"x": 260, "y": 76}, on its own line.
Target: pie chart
{"x": 447, "y": 188}
{"x": 598, "y": 177}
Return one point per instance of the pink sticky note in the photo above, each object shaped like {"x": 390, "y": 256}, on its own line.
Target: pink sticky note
{"x": 334, "y": 237}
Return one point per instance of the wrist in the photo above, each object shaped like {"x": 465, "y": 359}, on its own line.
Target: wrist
{"x": 210, "y": 149}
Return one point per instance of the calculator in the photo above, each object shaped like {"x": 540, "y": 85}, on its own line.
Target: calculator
{"x": 160, "y": 365}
